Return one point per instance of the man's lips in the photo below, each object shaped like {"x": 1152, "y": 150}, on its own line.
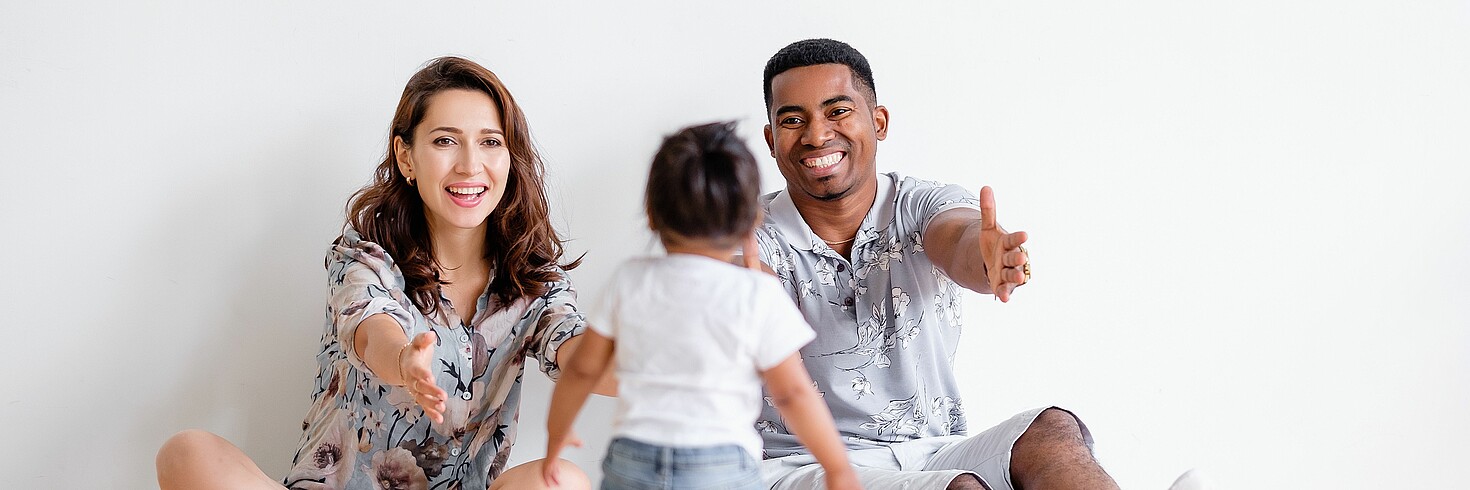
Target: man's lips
{"x": 824, "y": 165}
{"x": 823, "y": 161}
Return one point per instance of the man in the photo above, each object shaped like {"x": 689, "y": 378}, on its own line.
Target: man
{"x": 875, "y": 261}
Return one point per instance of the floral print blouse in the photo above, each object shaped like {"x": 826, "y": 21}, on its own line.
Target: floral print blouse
{"x": 361, "y": 433}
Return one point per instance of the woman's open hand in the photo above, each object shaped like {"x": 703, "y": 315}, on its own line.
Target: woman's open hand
{"x": 415, "y": 365}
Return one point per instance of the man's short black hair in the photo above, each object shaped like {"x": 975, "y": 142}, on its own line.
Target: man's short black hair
{"x": 820, "y": 52}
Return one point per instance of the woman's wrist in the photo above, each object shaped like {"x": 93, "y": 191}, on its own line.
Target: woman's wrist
{"x": 402, "y": 380}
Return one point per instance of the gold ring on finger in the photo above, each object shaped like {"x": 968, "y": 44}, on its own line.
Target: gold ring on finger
{"x": 1026, "y": 267}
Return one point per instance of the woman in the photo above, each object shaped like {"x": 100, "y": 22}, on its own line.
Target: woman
{"x": 445, "y": 279}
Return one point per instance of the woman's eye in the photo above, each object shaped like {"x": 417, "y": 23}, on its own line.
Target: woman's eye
{"x": 493, "y": 142}
{"x": 444, "y": 141}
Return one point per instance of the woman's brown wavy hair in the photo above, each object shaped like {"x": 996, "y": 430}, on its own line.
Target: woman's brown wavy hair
{"x": 522, "y": 246}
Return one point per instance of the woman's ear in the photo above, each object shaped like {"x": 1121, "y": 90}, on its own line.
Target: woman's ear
{"x": 401, "y": 154}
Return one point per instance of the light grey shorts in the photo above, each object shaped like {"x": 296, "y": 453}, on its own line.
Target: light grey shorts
{"x": 921, "y": 464}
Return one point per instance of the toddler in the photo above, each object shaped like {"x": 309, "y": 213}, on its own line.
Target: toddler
{"x": 691, "y": 337}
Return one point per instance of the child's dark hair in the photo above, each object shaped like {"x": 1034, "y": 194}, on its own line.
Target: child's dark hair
{"x": 703, "y": 185}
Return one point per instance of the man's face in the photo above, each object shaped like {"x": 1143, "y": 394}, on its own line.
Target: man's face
{"x": 824, "y": 133}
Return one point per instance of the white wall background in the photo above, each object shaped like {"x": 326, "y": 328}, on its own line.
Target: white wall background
{"x": 1250, "y": 219}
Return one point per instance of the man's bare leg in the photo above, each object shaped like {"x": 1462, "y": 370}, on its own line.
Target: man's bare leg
{"x": 966, "y": 482}
{"x": 1051, "y": 455}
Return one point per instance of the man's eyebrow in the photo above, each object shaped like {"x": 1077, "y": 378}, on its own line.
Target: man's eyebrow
{"x": 834, "y": 100}
{"x": 794, "y": 108}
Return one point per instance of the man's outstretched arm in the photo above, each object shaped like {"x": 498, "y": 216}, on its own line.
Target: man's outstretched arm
{"x": 975, "y": 252}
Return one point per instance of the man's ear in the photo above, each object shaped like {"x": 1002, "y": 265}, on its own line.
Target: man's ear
{"x": 770, "y": 141}
{"x": 880, "y": 122}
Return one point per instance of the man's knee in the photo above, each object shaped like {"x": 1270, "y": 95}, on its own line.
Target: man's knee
{"x": 1055, "y": 426}
{"x": 966, "y": 482}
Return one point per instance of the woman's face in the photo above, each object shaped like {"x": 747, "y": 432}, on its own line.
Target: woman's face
{"x": 459, "y": 160}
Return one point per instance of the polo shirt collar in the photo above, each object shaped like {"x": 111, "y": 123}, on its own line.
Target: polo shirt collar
{"x": 789, "y": 222}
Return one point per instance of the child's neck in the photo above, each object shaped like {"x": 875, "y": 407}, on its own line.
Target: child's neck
{"x": 700, "y": 247}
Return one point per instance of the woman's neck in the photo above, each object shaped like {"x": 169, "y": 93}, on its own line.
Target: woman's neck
{"x": 458, "y": 249}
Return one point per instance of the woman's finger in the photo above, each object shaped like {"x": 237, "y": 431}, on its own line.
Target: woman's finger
{"x": 425, "y": 340}
{"x": 427, "y": 387}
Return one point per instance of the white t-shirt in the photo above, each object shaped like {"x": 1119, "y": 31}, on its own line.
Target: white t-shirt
{"x": 692, "y": 336}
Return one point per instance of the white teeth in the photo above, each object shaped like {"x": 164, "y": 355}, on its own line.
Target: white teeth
{"x": 825, "y": 161}
{"x": 468, "y": 191}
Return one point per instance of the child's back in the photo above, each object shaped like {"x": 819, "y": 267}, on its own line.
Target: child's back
{"x": 693, "y": 335}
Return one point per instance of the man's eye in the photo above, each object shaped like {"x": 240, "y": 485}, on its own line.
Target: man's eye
{"x": 791, "y": 121}
{"x": 840, "y": 111}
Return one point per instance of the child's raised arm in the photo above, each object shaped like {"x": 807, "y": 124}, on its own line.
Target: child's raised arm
{"x": 809, "y": 419}
{"x": 591, "y": 360}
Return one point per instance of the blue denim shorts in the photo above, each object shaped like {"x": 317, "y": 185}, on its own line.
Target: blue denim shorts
{"x": 633, "y": 465}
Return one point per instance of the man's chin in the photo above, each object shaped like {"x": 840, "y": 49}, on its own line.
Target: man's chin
{"x": 828, "y": 189}
{"x": 830, "y": 195}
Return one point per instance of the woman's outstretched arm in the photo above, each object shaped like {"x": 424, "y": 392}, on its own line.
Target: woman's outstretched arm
{"x": 383, "y": 346}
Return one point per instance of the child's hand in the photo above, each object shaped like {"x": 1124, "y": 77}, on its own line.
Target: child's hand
{"x": 842, "y": 480}
{"x": 554, "y": 445}
{"x": 750, "y": 252}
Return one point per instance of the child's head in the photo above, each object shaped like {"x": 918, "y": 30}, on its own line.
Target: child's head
{"x": 703, "y": 186}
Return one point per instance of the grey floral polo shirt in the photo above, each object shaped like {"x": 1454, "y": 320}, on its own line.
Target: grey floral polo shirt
{"x": 887, "y": 322}
{"x": 361, "y": 433}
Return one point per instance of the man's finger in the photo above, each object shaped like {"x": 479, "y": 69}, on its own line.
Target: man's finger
{"x": 1013, "y": 240}
{"x": 987, "y": 208}
{"x": 1014, "y": 276}
{"x": 1013, "y": 258}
